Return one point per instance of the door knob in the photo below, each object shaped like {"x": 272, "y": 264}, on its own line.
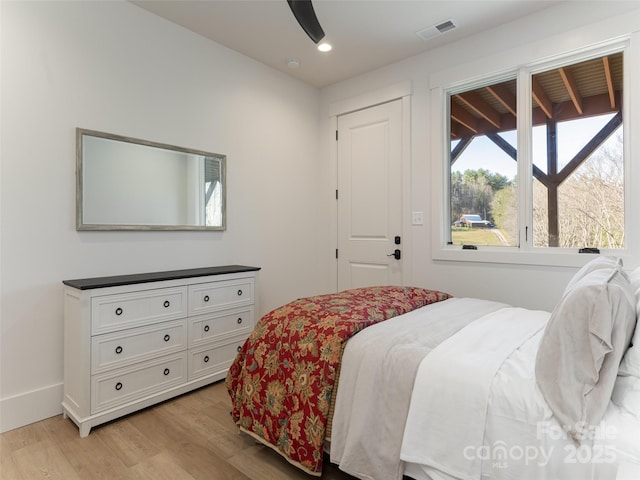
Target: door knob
{"x": 396, "y": 254}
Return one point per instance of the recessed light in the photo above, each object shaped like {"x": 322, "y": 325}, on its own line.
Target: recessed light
{"x": 325, "y": 47}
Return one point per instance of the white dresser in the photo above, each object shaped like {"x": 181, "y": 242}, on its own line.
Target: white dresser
{"x": 132, "y": 341}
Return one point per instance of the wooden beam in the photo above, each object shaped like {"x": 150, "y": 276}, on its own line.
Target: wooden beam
{"x": 510, "y": 150}
{"x": 476, "y": 103}
{"x": 572, "y": 88}
{"x": 463, "y": 117}
{"x": 553, "y": 220}
{"x": 505, "y": 146}
{"x": 591, "y": 146}
{"x": 454, "y": 131}
{"x": 541, "y": 97}
{"x": 552, "y": 148}
{"x": 460, "y": 147}
{"x": 609, "y": 77}
{"x": 552, "y": 211}
{"x": 591, "y": 106}
{"x": 483, "y": 127}
{"x": 460, "y": 131}
{"x": 502, "y": 94}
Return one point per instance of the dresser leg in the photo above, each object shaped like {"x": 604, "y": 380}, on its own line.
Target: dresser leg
{"x": 84, "y": 428}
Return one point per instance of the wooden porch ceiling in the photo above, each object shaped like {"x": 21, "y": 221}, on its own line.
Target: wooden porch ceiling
{"x": 581, "y": 90}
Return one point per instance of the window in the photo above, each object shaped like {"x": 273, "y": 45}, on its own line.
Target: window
{"x": 566, "y": 186}
{"x": 578, "y": 168}
{"x": 483, "y": 165}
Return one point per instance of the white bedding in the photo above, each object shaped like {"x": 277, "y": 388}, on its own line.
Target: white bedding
{"x": 376, "y": 378}
{"x": 521, "y": 423}
{"x": 521, "y": 438}
{"x": 452, "y": 388}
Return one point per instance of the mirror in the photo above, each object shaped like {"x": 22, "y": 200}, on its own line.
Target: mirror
{"x": 124, "y": 183}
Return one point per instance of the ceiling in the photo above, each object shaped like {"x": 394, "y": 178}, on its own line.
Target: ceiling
{"x": 365, "y": 34}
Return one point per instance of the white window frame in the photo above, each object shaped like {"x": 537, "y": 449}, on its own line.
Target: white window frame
{"x": 526, "y": 253}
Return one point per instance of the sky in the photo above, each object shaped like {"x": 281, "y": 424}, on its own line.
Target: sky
{"x": 572, "y": 136}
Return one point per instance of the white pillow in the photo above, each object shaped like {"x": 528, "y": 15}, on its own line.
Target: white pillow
{"x": 592, "y": 265}
{"x": 582, "y": 345}
{"x": 626, "y": 394}
{"x": 631, "y": 361}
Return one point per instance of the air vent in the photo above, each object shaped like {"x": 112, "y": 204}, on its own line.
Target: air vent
{"x": 435, "y": 30}
{"x": 445, "y": 26}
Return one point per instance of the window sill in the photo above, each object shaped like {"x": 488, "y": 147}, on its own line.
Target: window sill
{"x": 557, "y": 257}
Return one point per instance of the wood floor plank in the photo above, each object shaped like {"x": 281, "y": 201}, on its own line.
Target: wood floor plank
{"x": 203, "y": 464}
{"x": 58, "y": 429}
{"x": 127, "y": 443}
{"x": 21, "y": 437}
{"x": 161, "y": 467}
{"x": 261, "y": 463}
{"x": 43, "y": 460}
{"x": 8, "y": 467}
{"x": 191, "y": 437}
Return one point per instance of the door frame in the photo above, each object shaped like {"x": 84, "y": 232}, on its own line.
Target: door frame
{"x": 402, "y": 91}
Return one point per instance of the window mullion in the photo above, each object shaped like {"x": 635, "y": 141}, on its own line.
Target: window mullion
{"x": 525, "y": 160}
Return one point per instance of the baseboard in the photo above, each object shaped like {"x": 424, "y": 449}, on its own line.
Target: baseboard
{"x": 25, "y": 408}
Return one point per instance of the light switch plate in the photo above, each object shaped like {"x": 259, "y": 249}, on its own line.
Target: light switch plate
{"x": 417, "y": 218}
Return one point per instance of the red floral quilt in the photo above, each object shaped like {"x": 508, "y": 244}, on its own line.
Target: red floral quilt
{"x": 282, "y": 380}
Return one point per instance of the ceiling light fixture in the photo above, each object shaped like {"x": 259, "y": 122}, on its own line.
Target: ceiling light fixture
{"x": 325, "y": 47}
{"x": 306, "y": 16}
{"x": 293, "y": 63}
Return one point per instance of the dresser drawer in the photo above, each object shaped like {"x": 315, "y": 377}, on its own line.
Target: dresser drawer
{"x": 208, "y": 360}
{"x": 219, "y": 326}
{"x": 214, "y": 296}
{"x": 115, "y": 388}
{"x": 115, "y": 312}
{"x": 117, "y": 349}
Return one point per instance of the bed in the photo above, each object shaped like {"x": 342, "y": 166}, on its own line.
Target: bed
{"x": 401, "y": 381}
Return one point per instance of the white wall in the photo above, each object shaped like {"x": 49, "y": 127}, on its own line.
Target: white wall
{"x": 112, "y": 67}
{"x": 546, "y": 33}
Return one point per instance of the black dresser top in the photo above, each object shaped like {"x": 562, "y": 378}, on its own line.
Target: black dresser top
{"x": 114, "y": 281}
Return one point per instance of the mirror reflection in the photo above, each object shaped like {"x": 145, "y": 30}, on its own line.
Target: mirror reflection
{"x": 130, "y": 184}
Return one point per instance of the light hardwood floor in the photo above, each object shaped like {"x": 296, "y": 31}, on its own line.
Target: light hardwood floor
{"x": 187, "y": 438}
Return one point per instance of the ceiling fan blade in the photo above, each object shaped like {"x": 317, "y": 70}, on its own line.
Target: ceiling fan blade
{"x": 306, "y": 16}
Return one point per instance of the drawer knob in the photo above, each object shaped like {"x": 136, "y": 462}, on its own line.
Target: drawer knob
{"x": 206, "y": 359}
{"x": 118, "y": 386}
{"x": 239, "y": 320}
{"x": 239, "y": 292}
{"x": 206, "y": 328}
{"x": 118, "y": 349}
{"x": 239, "y": 348}
{"x": 166, "y": 371}
{"x": 167, "y": 337}
{"x": 206, "y": 298}
{"x": 166, "y": 303}
{"x": 118, "y": 311}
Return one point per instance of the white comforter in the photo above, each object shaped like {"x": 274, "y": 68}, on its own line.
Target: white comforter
{"x": 378, "y": 370}
{"x": 505, "y": 432}
{"x": 451, "y": 391}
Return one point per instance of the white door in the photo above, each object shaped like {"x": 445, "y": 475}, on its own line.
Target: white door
{"x": 370, "y": 196}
